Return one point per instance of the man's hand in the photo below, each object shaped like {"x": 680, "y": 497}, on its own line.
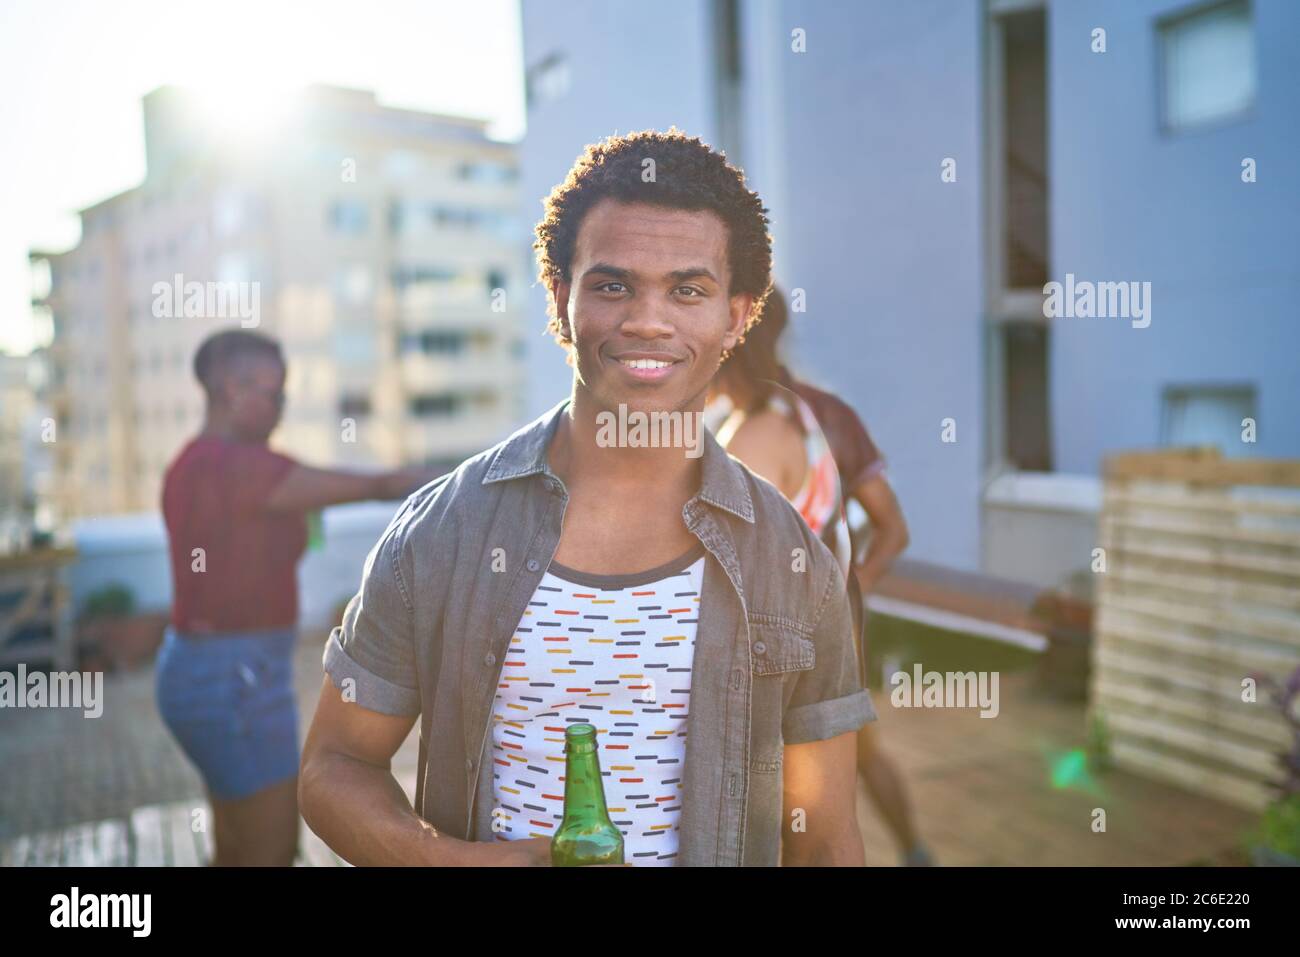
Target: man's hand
{"x": 528, "y": 852}
{"x": 889, "y": 535}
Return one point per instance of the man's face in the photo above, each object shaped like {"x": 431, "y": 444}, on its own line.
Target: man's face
{"x": 253, "y": 392}
{"x": 649, "y": 283}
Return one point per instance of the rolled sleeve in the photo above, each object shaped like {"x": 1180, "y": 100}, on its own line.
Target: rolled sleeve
{"x": 372, "y": 692}
{"x": 829, "y": 699}
{"x": 374, "y": 648}
{"x": 826, "y": 719}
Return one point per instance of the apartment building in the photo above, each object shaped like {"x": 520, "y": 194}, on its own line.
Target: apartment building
{"x": 383, "y": 247}
{"x": 930, "y": 167}
{"x": 26, "y": 434}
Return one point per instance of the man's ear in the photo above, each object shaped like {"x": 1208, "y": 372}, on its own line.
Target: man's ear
{"x": 738, "y": 312}
{"x": 560, "y": 297}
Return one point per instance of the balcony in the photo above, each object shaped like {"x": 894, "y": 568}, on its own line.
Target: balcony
{"x": 430, "y": 303}
{"x": 471, "y": 369}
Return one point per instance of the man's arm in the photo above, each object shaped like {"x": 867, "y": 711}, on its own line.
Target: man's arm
{"x": 771, "y": 447}
{"x": 348, "y": 795}
{"x": 819, "y": 760}
{"x": 305, "y": 488}
{"x": 889, "y": 534}
{"x": 346, "y": 791}
{"x": 820, "y": 778}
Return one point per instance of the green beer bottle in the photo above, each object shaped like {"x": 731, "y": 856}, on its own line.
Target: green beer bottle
{"x": 586, "y": 835}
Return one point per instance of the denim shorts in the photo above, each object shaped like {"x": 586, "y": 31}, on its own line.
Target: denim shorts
{"x": 229, "y": 701}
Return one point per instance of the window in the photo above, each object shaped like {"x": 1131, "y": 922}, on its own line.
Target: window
{"x": 354, "y": 406}
{"x": 400, "y": 217}
{"x": 1208, "y": 64}
{"x": 486, "y": 172}
{"x": 548, "y": 80}
{"x": 349, "y": 218}
{"x": 1027, "y": 436}
{"x": 728, "y": 76}
{"x": 355, "y": 344}
{"x": 434, "y": 342}
{"x": 401, "y": 164}
{"x": 1017, "y": 354}
{"x": 354, "y": 284}
{"x": 1024, "y": 151}
{"x": 435, "y": 405}
{"x": 1206, "y": 415}
{"x": 403, "y": 276}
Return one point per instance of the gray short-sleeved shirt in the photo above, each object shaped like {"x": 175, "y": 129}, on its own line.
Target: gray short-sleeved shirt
{"x": 444, "y": 588}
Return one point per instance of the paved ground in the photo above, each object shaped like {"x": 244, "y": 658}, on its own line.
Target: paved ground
{"x": 118, "y": 788}
{"x": 984, "y": 793}
{"x": 59, "y": 769}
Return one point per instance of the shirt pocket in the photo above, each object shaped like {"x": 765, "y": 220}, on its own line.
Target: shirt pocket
{"x": 780, "y": 651}
{"x": 778, "y": 646}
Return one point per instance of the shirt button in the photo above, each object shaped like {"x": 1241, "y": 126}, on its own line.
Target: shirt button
{"x": 759, "y": 648}
{"x": 533, "y": 565}
{"x": 489, "y": 659}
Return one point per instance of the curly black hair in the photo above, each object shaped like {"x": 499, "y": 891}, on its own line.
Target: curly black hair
{"x": 221, "y": 348}
{"x": 687, "y": 175}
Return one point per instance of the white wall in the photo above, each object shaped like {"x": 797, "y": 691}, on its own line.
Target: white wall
{"x": 132, "y": 550}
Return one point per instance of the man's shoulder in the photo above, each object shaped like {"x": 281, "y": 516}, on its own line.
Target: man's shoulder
{"x": 777, "y": 525}
{"x": 789, "y": 572}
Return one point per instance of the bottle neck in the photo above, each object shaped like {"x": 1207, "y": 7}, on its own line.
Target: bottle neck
{"x": 584, "y": 791}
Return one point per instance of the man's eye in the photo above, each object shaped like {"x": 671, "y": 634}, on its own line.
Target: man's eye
{"x": 604, "y": 286}
{"x": 691, "y": 290}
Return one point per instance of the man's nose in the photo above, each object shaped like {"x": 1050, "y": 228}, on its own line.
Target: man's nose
{"x": 648, "y": 318}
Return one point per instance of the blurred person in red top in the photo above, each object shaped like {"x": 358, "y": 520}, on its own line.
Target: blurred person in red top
{"x": 236, "y": 523}
{"x": 812, "y": 446}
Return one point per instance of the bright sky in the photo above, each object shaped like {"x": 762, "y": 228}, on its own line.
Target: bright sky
{"x": 72, "y": 73}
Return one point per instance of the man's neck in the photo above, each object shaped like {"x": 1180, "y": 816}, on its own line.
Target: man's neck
{"x": 578, "y": 458}
{"x": 215, "y": 426}
{"x": 218, "y": 426}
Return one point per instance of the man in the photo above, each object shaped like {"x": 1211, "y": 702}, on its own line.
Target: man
{"x": 673, "y": 599}
{"x": 224, "y": 676}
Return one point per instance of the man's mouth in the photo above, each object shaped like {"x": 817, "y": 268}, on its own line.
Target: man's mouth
{"x": 647, "y": 369}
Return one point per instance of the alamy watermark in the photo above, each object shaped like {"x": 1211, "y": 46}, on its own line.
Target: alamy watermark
{"x": 130, "y": 911}
{"x": 1100, "y": 300}
{"x": 58, "y": 689}
{"x": 639, "y": 430}
{"x": 208, "y": 300}
{"x": 946, "y": 689}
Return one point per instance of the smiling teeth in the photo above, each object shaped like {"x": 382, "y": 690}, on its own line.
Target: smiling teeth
{"x": 645, "y": 363}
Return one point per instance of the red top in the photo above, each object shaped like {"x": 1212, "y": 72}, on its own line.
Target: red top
{"x": 855, "y": 454}
{"x": 213, "y": 498}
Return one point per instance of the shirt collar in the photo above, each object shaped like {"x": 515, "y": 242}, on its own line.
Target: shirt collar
{"x": 722, "y": 483}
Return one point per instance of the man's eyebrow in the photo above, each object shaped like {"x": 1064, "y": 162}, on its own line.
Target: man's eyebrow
{"x": 608, "y": 269}
{"x": 677, "y": 275}
{"x": 695, "y": 272}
